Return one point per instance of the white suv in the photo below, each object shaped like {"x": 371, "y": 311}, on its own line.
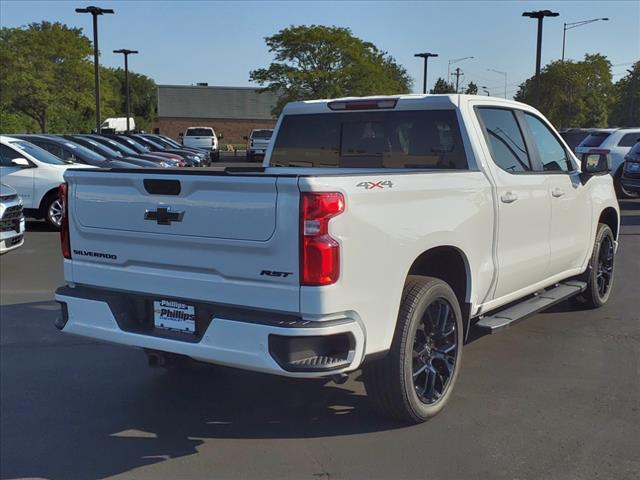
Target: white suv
{"x": 11, "y": 219}
{"x": 35, "y": 174}
{"x": 615, "y": 143}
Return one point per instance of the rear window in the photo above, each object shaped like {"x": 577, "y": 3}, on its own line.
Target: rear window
{"x": 262, "y": 134}
{"x": 428, "y": 139}
{"x": 594, "y": 139}
{"x": 629, "y": 139}
{"x": 199, "y": 132}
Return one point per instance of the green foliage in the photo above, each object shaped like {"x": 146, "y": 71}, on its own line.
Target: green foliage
{"x": 47, "y": 84}
{"x": 442, "y": 86}
{"x": 327, "y": 62}
{"x": 572, "y": 94}
{"x": 472, "y": 89}
{"x": 625, "y": 111}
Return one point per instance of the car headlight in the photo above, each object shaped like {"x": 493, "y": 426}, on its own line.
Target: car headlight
{"x": 164, "y": 165}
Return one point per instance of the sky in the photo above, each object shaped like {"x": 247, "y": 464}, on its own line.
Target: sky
{"x": 185, "y": 42}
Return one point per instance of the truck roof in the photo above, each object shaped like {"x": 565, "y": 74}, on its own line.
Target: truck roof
{"x": 404, "y": 102}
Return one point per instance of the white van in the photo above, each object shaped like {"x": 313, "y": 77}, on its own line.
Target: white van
{"x": 118, "y": 124}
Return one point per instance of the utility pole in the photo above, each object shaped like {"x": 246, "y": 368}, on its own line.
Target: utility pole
{"x": 126, "y": 54}
{"x": 426, "y": 56}
{"x": 457, "y": 74}
{"x": 452, "y": 61}
{"x": 95, "y": 11}
{"x": 539, "y": 15}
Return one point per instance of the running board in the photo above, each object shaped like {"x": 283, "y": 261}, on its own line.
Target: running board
{"x": 495, "y": 322}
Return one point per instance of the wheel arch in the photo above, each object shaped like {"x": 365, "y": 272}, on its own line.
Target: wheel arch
{"x": 450, "y": 264}
{"x": 609, "y": 216}
{"x": 47, "y": 195}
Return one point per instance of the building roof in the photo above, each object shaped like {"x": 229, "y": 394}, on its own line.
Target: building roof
{"x": 186, "y": 101}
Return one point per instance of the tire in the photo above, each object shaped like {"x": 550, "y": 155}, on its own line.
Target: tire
{"x": 621, "y": 192}
{"x": 410, "y": 386}
{"x": 601, "y": 271}
{"x": 249, "y": 156}
{"x": 51, "y": 211}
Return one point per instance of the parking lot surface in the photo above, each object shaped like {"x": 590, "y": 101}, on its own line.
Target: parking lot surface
{"x": 554, "y": 397}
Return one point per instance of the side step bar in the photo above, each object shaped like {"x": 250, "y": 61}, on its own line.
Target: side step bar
{"x": 494, "y": 322}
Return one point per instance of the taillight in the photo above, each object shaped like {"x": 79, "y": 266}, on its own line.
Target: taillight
{"x": 64, "y": 226}
{"x": 599, "y": 151}
{"x": 319, "y": 252}
{"x": 368, "y": 104}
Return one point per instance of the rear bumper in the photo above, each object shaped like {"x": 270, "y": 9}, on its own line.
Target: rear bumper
{"x": 228, "y": 339}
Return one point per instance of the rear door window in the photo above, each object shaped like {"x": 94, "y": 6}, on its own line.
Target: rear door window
{"x": 199, "y": 132}
{"x": 424, "y": 139}
{"x": 629, "y": 139}
{"x": 505, "y": 140}
{"x": 594, "y": 139}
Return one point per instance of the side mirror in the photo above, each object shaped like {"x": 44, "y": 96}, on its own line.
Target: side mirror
{"x": 181, "y": 134}
{"x": 245, "y": 137}
{"x": 220, "y": 136}
{"x": 20, "y": 162}
{"x": 594, "y": 164}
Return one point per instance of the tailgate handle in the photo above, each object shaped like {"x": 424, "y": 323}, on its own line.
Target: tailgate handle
{"x": 162, "y": 187}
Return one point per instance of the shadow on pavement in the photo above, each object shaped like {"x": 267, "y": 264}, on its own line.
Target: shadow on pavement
{"x": 108, "y": 413}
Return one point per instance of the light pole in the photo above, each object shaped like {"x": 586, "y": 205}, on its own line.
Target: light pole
{"x": 126, "y": 54}
{"x": 451, "y": 62}
{"x": 569, "y": 26}
{"x": 95, "y": 11}
{"x": 426, "y": 56}
{"x": 539, "y": 15}
{"x": 505, "y": 79}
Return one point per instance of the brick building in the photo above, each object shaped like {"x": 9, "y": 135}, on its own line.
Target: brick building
{"x": 232, "y": 111}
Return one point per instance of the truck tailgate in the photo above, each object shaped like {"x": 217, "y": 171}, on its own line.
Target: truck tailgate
{"x": 210, "y": 237}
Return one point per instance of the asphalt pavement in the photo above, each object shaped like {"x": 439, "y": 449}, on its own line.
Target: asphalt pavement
{"x": 554, "y": 397}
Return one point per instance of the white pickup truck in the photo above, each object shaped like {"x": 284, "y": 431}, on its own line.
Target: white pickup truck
{"x": 376, "y": 234}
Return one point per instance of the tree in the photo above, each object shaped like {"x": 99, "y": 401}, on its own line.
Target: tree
{"x": 442, "y": 86}
{"x": 46, "y": 75}
{"x": 472, "y": 89}
{"x": 572, "y": 94}
{"x": 327, "y": 62}
{"x": 142, "y": 94}
{"x": 625, "y": 111}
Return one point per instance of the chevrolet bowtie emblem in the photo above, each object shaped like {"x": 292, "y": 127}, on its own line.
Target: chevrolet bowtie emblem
{"x": 164, "y": 215}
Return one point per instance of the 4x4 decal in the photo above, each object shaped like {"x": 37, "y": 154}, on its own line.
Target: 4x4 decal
{"x": 372, "y": 185}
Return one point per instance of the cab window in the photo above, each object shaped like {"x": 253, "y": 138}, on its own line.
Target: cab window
{"x": 505, "y": 140}
{"x": 552, "y": 154}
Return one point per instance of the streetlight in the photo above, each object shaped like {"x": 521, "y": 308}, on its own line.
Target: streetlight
{"x": 426, "y": 56}
{"x": 452, "y": 61}
{"x": 569, "y": 26}
{"x": 126, "y": 54}
{"x": 539, "y": 15}
{"x": 484, "y": 89}
{"x": 505, "y": 79}
{"x": 95, "y": 11}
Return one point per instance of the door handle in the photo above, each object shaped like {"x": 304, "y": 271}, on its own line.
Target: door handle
{"x": 509, "y": 197}
{"x": 557, "y": 192}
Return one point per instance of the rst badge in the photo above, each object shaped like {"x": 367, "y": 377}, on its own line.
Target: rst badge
{"x": 382, "y": 184}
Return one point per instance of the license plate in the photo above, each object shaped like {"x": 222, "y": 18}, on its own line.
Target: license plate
{"x": 172, "y": 315}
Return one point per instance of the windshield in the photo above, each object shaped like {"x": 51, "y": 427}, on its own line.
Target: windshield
{"x": 84, "y": 153}
{"x": 147, "y": 141}
{"x": 594, "y": 139}
{"x": 171, "y": 141}
{"x": 100, "y": 148}
{"x": 400, "y": 139}
{"x": 117, "y": 146}
{"x": 199, "y": 132}
{"x": 262, "y": 134}
{"x": 38, "y": 153}
{"x": 161, "y": 141}
{"x": 138, "y": 147}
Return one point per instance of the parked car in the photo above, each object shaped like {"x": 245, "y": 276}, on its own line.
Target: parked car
{"x": 159, "y": 160}
{"x": 36, "y": 175}
{"x": 191, "y": 159}
{"x": 12, "y": 223}
{"x": 109, "y": 153}
{"x": 73, "y": 152}
{"x": 631, "y": 172}
{"x": 169, "y": 143}
{"x": 615, "y": 143}
{"x": 573, "y": 136}
{"x": 143, "y": 149}
{"x": 257, "y": 143}
{"x": 379, "y": 231}
{"x": 202, "y": 137}
{"x": 118, "y": 125}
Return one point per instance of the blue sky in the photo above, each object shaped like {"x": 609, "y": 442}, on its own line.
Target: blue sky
{"x": 220, "y": 42}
